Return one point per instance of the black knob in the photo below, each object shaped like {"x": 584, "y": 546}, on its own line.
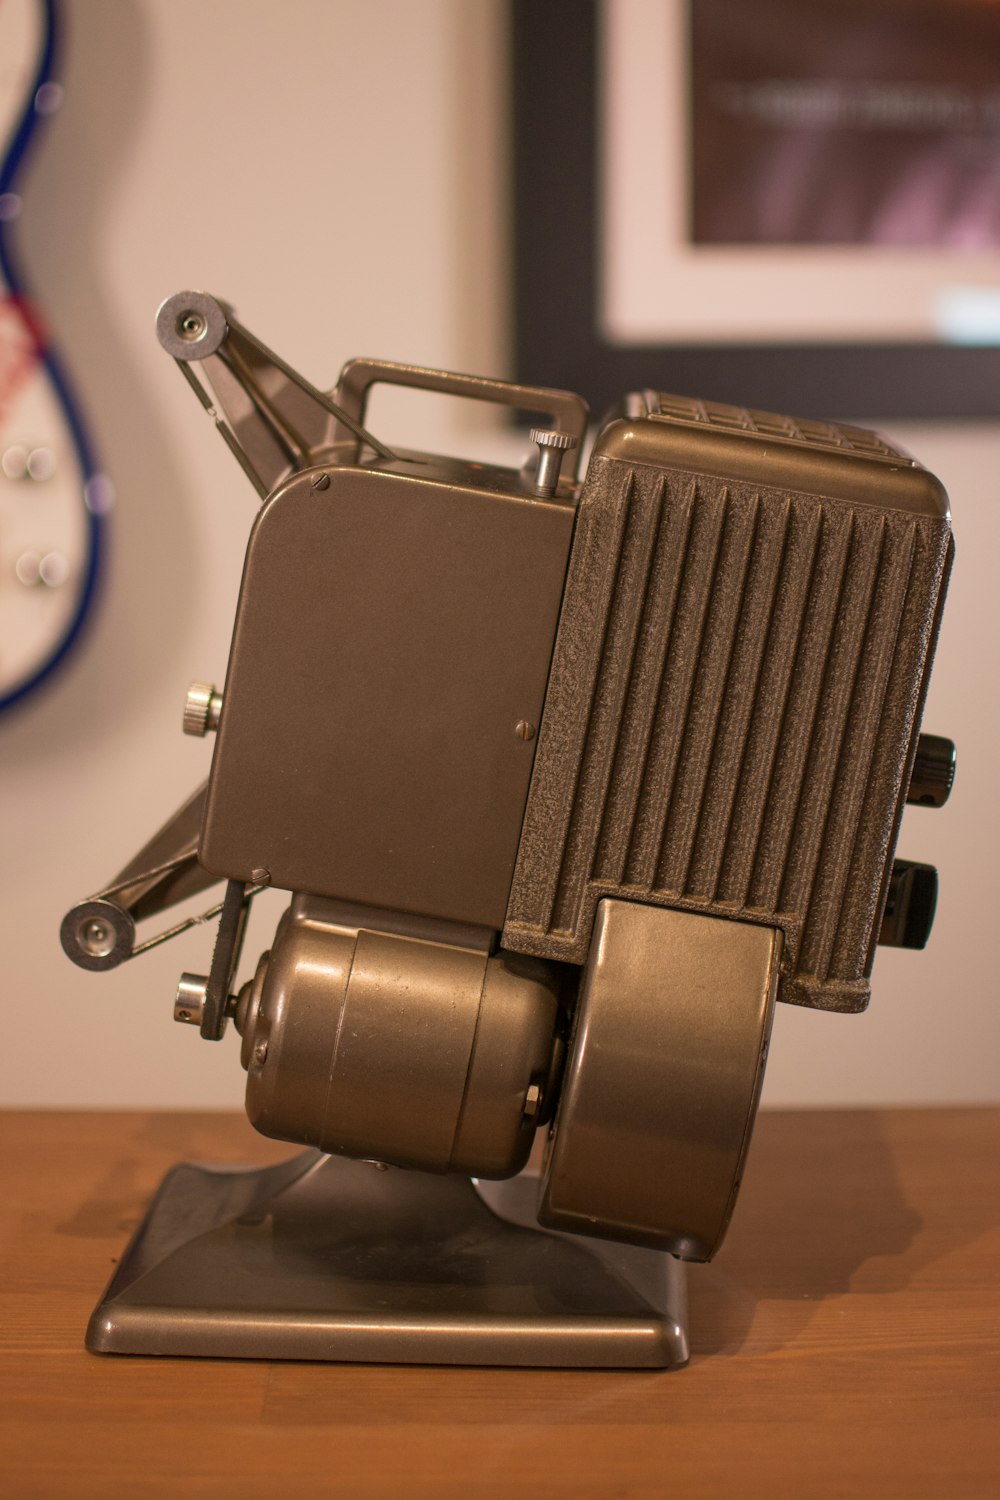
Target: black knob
{"x": 909, "y": 907}
{"x": 933, "y": 771}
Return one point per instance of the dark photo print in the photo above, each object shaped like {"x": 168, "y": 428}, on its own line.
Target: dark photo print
{"x": 840, "y": 122}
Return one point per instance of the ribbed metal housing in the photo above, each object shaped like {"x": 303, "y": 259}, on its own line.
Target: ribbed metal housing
{"x": 732, "y": 711}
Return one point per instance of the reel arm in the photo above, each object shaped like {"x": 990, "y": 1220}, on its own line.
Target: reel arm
{"x": 99, "y": 932}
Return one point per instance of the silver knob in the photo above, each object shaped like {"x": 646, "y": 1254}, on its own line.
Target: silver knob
{"x": 202, "y": 708}
{"x": 552, "y": 444}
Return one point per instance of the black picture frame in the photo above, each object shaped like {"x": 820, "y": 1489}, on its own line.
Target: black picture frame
{"x": 555, "y": 274}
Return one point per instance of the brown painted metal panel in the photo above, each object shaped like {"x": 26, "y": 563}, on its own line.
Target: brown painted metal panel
{"x": 392, "y": 632}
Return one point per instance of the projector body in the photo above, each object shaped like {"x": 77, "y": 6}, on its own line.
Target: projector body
{"x": 569, "y": 782}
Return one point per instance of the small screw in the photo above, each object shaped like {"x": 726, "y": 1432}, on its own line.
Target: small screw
{"x": 524, "y": 730}
{"x": 321, "y": 482}
{"x": 260, "y": 1052}
{"x": 96, "y": 938}
{"x": 260, "y": 875}
{"x": 191, "y": 325}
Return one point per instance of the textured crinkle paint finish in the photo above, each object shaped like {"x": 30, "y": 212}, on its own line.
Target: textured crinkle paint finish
{"x": 733, "y": 703}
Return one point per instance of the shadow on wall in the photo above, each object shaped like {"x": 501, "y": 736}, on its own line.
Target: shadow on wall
{"x": 151, "y": 562}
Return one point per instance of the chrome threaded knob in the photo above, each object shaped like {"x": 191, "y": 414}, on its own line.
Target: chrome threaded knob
{"x": 552, "y": 444}
{"x": 202, "y": 708}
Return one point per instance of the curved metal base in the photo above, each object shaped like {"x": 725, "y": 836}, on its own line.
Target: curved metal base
{"x": 324, "y": 1258}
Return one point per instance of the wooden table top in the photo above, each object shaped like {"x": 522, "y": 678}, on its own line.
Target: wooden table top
{"x": 846, "y": 1341}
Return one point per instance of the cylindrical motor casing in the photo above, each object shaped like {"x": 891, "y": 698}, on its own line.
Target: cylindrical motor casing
{"x": 395, "y": 1048}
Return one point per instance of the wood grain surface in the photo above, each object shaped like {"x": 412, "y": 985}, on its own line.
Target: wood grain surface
{"x": 846, "y": 1341}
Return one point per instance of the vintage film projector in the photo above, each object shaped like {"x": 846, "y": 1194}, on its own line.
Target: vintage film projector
{"x": 569, "y": 783}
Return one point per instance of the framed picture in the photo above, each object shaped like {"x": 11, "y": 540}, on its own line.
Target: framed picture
{"x": 787, "y": 206}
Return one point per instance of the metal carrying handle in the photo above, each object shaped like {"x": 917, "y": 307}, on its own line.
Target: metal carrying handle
{"x": 568, "y": 411}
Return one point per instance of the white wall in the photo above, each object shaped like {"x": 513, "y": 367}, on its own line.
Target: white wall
{"x": 336, "y": 169}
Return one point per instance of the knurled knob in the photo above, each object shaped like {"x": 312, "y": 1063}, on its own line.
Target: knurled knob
{"x": 202, "y": 708}
{"x": 933, "y": 771}
{"x": 551, "y": 437}
{"x": 551, "y": 444}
